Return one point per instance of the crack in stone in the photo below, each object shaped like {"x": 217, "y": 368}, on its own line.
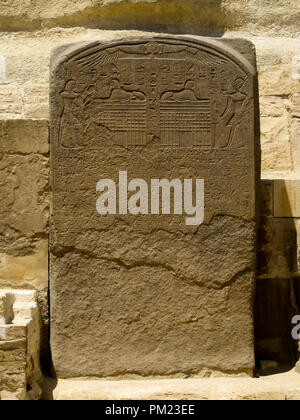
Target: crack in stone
{"x": 153, "y": 264}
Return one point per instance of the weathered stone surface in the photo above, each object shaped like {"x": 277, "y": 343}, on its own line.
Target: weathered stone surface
{"x": 11, "y": 104}
{"x": 24, "y": 206}
{"x": 277, "y": 158}
{"x": 15, "y": 332}
{"x": 147, "y": 294}
{"x": 24, "y": 136}
{"x": 275, "y": 144}
{"x": 13, "y": 378}
{"x": 115, "y": 14}
{"x": 28, "y": 271}
{"x": 275, "y": 130}
{"x": 23, "y": 202}
{"x": 284, "y": 386}
{"x": 277, "y": 80}
{"x": 276, "y": 17}
{"x": 36, "y": 103}
{"x": 201, "y": 17}
{"x": 273, "y": 106}
{"x": 20, "y": 375}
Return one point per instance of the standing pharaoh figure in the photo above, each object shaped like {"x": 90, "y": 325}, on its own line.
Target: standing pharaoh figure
{"x": 233, "y": 118}
{"x": 66, "y": 130}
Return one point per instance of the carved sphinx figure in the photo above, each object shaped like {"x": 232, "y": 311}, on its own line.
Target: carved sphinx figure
{"x": 120, "y": 94}
{"x": 187, "y": 94}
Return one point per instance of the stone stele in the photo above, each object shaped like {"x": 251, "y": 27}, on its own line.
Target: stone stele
{"x": 148, "y": 294}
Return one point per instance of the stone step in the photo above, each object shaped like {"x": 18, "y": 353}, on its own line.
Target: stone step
{"x": 24, "y": 311}
{"x": 284, "y": 386}
{"x": 25, "y": 296}
{"x": 19, "y": 345}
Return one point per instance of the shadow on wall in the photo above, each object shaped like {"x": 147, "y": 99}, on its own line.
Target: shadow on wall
{"x": 201, "y": 17}
{"x": 277, "y": 298}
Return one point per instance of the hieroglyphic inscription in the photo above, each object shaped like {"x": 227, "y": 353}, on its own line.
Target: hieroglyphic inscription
{"x": 148, "y": 90}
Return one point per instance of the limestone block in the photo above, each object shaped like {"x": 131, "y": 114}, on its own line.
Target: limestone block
{"x": 184, "y": 16}
{"x": 12, "y": 351}
{"x": 24, "y": 137}
{"x": 26, "y": 270}
{"x": 33, "y": 110}
{"x": 284, "y": 386}
{"x": 13, "y": 332}
{"x": 277, "y": 17}
{"x": 276, "y": 156}
{"x": 13, "y": 378}
{"x": 23, "y": 201}
{"x": 274, "y": 50}
{"x": 27, "y": 64}
{"x": 275, "y": 144}
{"x": 273, "y": 106}
{"x": 255, "y": 16}
{"x": 11, "y": 101}
{"x": 274, "y": 129}
{"x": 20, "y": 346}
{"x": 36, "y": 102}
{"x": 277, "y": 80}
{"x": 12, "y": 396}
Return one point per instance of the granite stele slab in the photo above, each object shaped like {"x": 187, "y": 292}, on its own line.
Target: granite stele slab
{"x": 154, "y": 166}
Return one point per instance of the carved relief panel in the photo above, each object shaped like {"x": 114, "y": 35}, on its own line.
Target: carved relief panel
{"x": 145, "y": 293}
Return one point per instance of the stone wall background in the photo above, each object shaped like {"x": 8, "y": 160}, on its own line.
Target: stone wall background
{"x": 30, "y": 29}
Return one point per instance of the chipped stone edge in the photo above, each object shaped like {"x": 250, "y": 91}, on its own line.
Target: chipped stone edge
{"x": 19, "y": 311}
